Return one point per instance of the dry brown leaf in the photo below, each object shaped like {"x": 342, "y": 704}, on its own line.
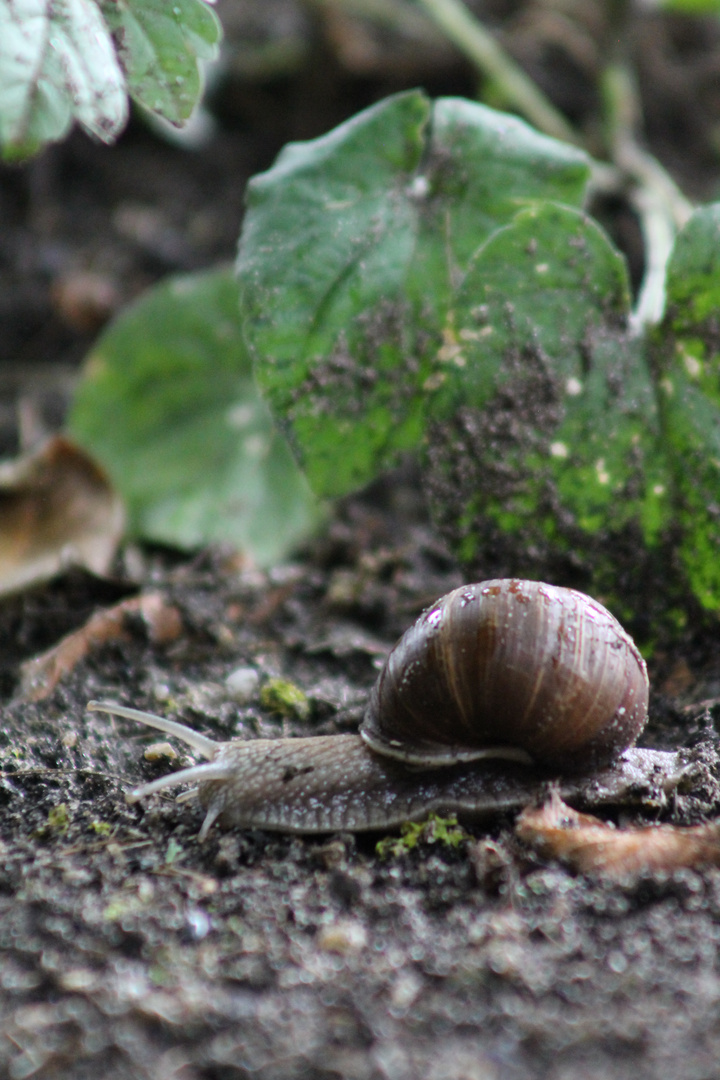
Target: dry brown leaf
{"x": 587, "y": 844}
{"x": 84, "y": 299}
{"x": 40, "y": 675}
{"x": 57, "y": 509}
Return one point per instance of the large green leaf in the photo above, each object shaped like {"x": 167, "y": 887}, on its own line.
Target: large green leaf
{"x": 544, "y": 425}
{"x": 353, "y": 248}
{"x": 168, "y": 405}
{"x": 687, "y": 347}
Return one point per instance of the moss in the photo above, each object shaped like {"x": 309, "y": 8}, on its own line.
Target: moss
{"x": 101, "y": 828}
{"x": 434, "y": 830}
{"x": 58, "y": 821}
{"x": 285, "y": 698}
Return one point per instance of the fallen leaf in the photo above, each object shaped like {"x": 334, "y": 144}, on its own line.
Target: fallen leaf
{"x": 40, "y": 675}
{"x": 57, "y": 509}
{"x": 587, "y": 844}
{"x": 84, "y": 299}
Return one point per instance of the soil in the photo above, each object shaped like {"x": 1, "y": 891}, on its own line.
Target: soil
{"x": 129, "y": 948}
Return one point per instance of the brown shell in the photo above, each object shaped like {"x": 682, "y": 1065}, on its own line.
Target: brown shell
{"x": 510, "y": 663}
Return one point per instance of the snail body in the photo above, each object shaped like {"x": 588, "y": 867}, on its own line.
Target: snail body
{"x": 497, "y": 687}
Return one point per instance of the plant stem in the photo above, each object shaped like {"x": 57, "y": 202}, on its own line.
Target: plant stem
{"x": 395, "y": 14}
{"x": 471, "y": 37}
{"x": 661, "y": 206}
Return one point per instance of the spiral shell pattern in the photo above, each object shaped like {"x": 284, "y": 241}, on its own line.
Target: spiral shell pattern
{"x": 522, "y": 665}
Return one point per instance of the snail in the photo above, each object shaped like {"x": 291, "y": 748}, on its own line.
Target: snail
{"x": 498, "y": 687}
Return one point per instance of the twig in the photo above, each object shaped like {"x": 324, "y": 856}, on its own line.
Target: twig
{"x": 392, "y": 14}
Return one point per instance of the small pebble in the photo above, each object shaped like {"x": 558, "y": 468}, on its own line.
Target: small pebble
{"x": 343, "y": 937}
{"x": 78, "y": 980}
{"x": 159, "y": 751}
{"x": 197, "y": 924}
{"x": 242, "y": 684}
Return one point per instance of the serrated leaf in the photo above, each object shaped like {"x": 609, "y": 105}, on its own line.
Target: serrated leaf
{"x": 169, "y": 406}
{"x": 353, "y": 247}
{"x": 543, "y": 423}
{"x": 57, "y": 62}
{"x": 160, "y": 43}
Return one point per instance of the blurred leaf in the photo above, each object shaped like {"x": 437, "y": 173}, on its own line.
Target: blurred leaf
{"x": 169, "y": 405}
{"x": 543, "y": 420}
{"x": 57, "y": 510}
{"x": 57, "y": 63}
{"x": 353, "y": 248}
{"x": 691, "y": 7}
{"x": 159, "y": 43}
{"x": 687, "y": 348}
{"x": 65, "y": 60}
{"x": 693, "y": 283}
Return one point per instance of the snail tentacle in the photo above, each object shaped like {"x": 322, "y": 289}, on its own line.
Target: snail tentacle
{"x": 209, "y": 770}
{"x": 201, "y": 743}
{"x": 214, "y": 811}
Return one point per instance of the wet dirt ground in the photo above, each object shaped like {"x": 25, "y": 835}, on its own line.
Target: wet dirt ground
{"x": 130, "y": 950}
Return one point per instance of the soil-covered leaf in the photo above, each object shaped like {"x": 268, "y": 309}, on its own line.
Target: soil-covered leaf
{"x": 353, "y": 249}
{"x": 544, "y": 420}
{"x": 423, "y": 276}
{"x": 169, "y": 405}
{"x": 687, "y": 350}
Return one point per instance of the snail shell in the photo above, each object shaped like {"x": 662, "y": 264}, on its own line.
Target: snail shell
{"x": 503, "y": 669}
{"x": 541, "y": 670}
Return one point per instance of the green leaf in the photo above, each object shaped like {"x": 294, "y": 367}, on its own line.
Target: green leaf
{"x": 65, "y": 60}
{"x": 168, "y": 405}
{"x": 693, "y": 282}
{"x": 543, "y": 420}
{"x": 692, "y": 433}
{"x": 353, "y": 247}
{"x": 480, "y": 167}
{"x": 687, "y": 352}
{"x": 57, "y": 63}
{"x": 159, "y": 43}
{"x": 691, "y": 7}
